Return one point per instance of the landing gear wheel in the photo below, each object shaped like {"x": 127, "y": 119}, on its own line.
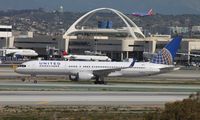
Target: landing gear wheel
{"x": 100, "y": 80}
{"x": 23, "y": 79}
{"x": 35, "y": 81}
{"x": 34, "y": 78}
{"x": 96, "y": 82}
{"x": 103, "y": 82}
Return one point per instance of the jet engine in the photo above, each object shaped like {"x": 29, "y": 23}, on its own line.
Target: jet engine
{"x": 81, "y": 76}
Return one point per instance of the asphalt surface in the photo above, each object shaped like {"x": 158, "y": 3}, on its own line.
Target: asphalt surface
{"x": 51, "y": 93}
{"x": 49, "y": 86}
{"x": 87, "y": 94}
{"x": 88, "y": 98}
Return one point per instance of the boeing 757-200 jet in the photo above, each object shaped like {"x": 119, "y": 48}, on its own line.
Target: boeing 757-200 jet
{"x": 86, "y": 70}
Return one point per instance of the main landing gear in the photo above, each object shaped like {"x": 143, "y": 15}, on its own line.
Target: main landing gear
{"x": 99, "y": 80}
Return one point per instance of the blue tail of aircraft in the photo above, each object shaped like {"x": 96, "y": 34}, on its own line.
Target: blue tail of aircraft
{"x": 168, "y": 53}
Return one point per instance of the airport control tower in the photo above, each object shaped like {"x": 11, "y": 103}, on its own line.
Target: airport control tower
{"x": 97, "y": 31}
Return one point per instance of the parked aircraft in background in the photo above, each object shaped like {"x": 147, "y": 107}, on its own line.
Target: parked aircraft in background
{"x": 86, "y": 70}
{"x": 149, "y": 13}
{"x": 86, "y": 58}
{"x": 18, "y": 52}
{"x": 186, "y": 54}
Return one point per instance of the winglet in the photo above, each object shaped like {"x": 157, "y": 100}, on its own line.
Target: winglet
{"x": 132, "y": 63}
{"x": 168, "y": 53}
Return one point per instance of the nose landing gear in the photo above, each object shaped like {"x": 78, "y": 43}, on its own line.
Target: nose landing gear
{"x": 31, "y": 78}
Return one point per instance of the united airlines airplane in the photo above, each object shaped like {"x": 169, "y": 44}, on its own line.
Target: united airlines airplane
{"x": 86, "y": 70}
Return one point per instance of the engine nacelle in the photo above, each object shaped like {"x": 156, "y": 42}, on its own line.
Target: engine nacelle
{"x": 81, "y": 76}
{"x": 85, "y": 76}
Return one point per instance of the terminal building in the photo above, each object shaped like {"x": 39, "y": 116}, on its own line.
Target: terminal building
{"x": 40, "y": 43}
{"x": 104, "y": 37}
{"x": 6, "y": 37}
{"x": 118, "y": 43}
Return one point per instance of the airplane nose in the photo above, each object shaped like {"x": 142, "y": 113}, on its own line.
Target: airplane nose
{"x": 35, "y": 53}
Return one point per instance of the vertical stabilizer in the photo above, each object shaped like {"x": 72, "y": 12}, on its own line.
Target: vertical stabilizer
{"x": 150, "y": 12}
{"x": 168, "y": 53}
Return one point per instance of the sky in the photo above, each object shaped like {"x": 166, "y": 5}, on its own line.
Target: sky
{"x": 125, "y": 6}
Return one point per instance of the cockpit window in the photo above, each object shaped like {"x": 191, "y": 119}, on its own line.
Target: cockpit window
{"x": 21, "y": 65}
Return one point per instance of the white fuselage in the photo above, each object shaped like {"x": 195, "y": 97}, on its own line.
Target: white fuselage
{"x": 22, "y": 52}
{"x": 88, "y": 67}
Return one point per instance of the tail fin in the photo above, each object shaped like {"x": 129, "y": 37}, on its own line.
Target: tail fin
{"x": 150, "y": 12}
{"x": 168, "y": 53}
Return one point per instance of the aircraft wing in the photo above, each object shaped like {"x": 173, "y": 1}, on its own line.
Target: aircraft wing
{"x": 167, "y": 69}
{"x": 105, "y": 72}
